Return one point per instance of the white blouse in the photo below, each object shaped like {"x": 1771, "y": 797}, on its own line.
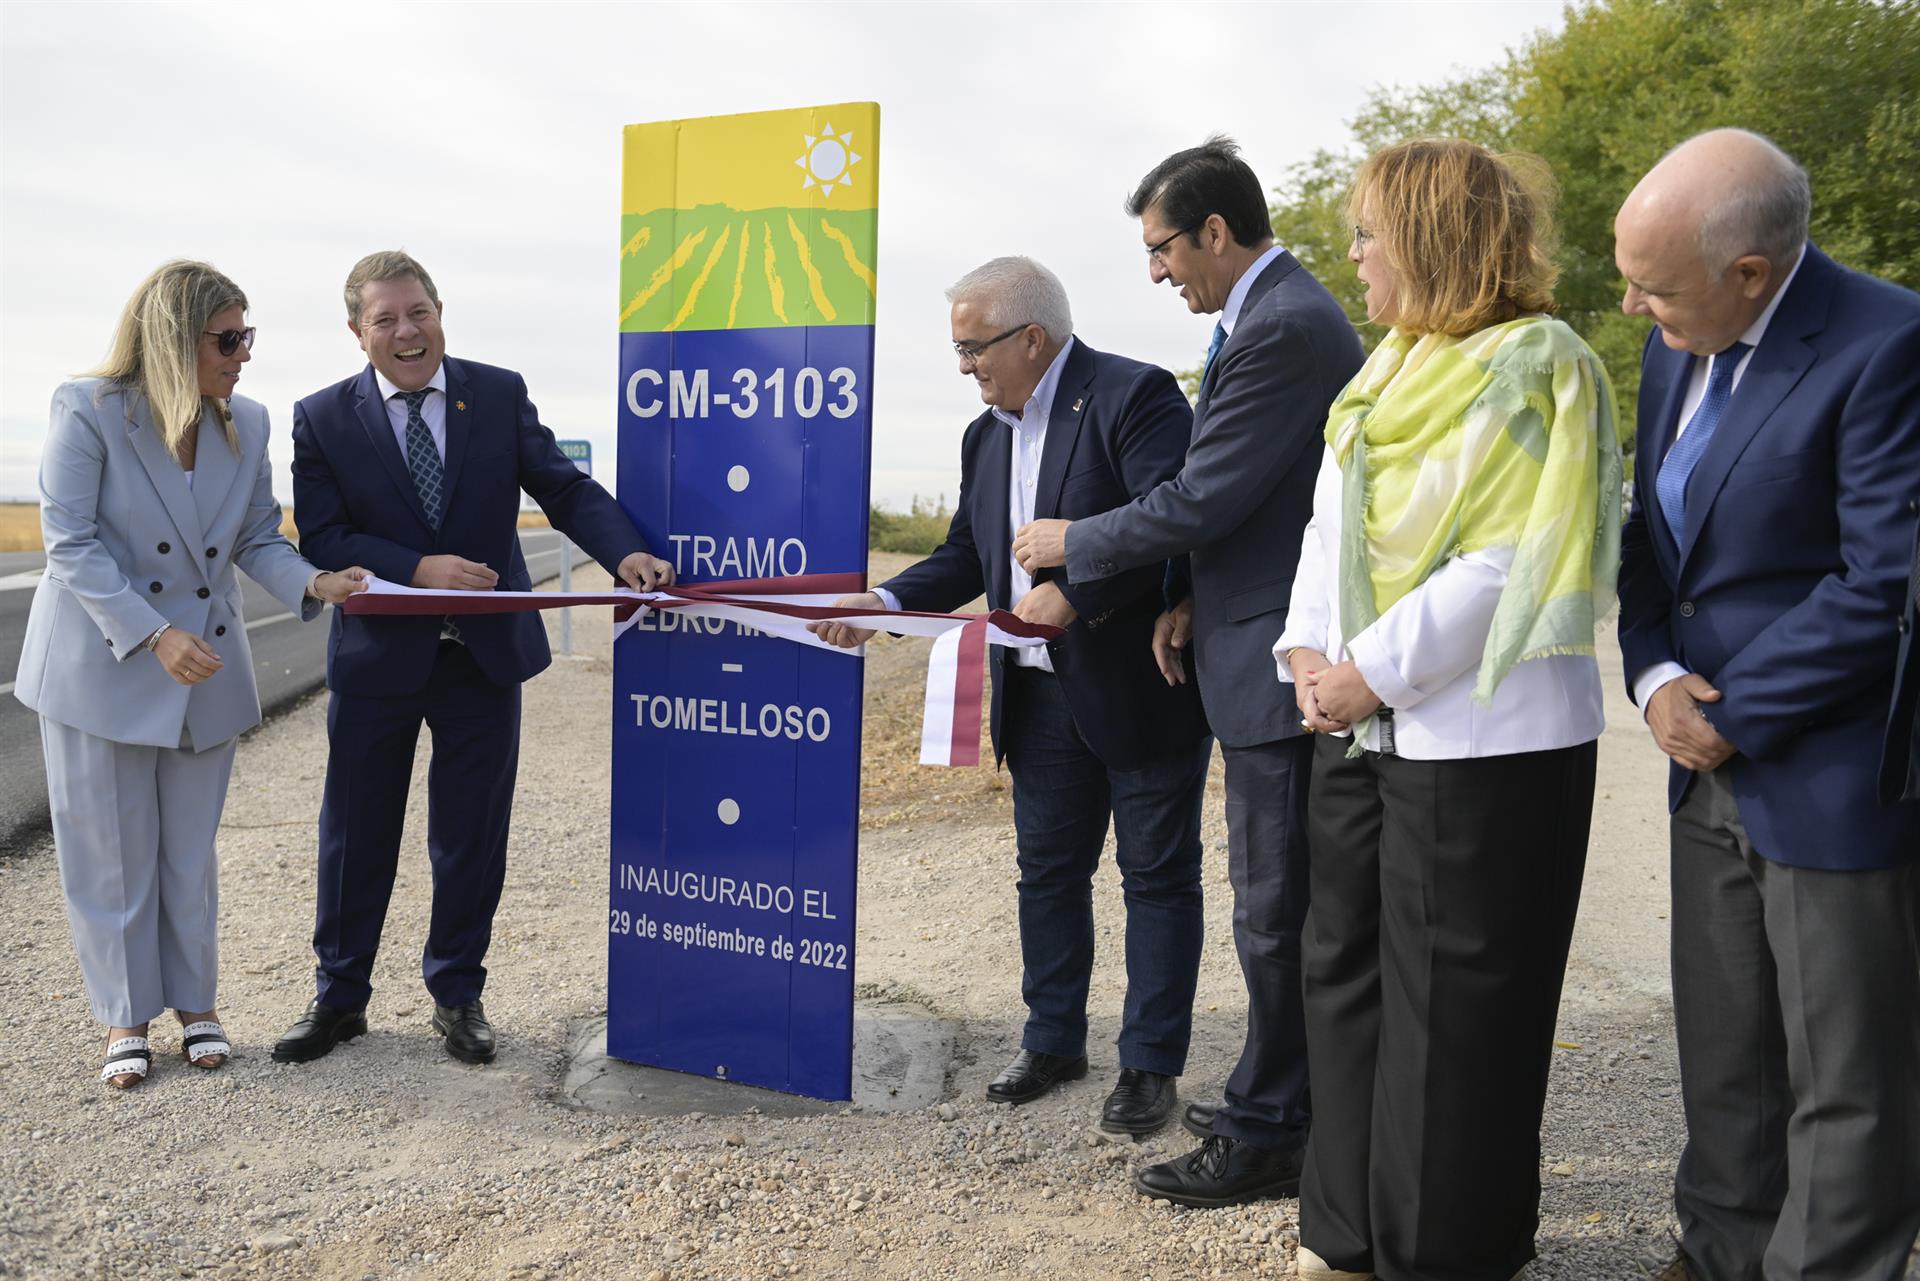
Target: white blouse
{"x": 1422, "y": 656}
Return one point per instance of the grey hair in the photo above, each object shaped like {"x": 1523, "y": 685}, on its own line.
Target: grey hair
{"x": 1768, "y": 217}
{"x": 1017, "y": 291}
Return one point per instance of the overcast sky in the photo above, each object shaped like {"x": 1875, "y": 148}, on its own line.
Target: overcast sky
{"x": 281, "y": 142}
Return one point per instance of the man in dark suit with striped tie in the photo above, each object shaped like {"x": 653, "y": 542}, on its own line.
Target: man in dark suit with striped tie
{"x": 1762, "y": 595}
{"x": 1280, "y": 353}
{"x": 414, "y": 468}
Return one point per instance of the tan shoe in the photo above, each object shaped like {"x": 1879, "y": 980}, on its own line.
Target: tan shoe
{"x": 1309, "y": 1266}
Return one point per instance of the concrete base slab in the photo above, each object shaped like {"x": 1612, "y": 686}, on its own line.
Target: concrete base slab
{"x": 900, "y": 1058}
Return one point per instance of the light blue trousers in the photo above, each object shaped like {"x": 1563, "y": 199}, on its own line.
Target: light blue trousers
{"x": 134, "y": 829}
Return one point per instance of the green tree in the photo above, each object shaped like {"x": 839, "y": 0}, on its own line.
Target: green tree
{"x": 1620, "y": 82}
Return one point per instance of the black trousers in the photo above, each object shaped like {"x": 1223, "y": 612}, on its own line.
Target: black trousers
{"x": 1444, "y": 895}
{"x": 1267, "y": 1100}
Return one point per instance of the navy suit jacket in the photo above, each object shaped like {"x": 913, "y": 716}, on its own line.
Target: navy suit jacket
{"x": 1900, "y": 759}
{"x": 1787, "y": 593}
{"x": 1117, "y": 429}
{"x": 355, "y": 503}
{"x": 1241, "y": 501}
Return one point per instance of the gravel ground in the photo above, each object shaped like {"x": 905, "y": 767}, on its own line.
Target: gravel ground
{"x": 388, "y": 1159}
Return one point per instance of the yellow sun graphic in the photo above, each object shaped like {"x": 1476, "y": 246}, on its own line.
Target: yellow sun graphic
{"x": 827, "y": 160}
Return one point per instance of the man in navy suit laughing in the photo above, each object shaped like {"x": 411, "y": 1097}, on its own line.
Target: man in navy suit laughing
{"x": 414, "y": 468}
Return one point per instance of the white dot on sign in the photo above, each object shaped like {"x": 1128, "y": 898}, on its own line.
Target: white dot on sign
{"x": 729, "y": 811}
{"x": 737, "y": 479}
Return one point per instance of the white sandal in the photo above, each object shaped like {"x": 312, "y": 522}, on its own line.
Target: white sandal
{"x": 203, "y": 1040}
{"x": 128, "y": 1056}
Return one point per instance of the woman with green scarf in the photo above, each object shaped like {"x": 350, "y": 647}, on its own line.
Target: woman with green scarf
{"x": 1464, "y": 543}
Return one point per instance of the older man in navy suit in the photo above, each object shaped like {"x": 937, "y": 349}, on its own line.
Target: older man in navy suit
{"x": 1086, "y": 725}
{"x": 1762, "y": 593}
{"x": 414, "y": 467}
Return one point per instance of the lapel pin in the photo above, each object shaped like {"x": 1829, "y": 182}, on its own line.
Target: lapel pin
{"x": 1078, "y": 403}
{"x": 461, "y": 405}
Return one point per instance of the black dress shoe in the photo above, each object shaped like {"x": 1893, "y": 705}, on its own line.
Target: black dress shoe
{"x": 1032, "y": 1074}
{"x": 1223, "y": 1171}
{"x": 320, "y": 1029}
{"x": 1197, "y": 1119}
{"x": 469, "y": 1035}
{"x": 1141, "y": 1103}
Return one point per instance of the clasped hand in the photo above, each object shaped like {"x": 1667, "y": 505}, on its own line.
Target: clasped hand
{"x": 1680, "y": 725}
{"x": 1041, "y": 544}
{"x": 1330, "y": 696}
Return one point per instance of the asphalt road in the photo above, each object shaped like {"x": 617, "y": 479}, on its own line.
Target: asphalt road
{"x": 289, "y": 660}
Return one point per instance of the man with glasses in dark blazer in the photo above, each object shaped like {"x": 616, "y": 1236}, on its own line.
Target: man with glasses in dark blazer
{"x": 1280, "y": 353}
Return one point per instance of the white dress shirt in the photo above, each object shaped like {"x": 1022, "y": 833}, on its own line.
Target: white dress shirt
{"x": 1422, "y": 656}
{"x": 1648, "y": 682}
{"x": 433, "y": 409}
{"x": 1237, "y": 296}
{"x": 1028, "y": 440}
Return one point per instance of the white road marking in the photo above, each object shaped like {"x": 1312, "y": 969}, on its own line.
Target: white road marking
{"x": 21, "y": 581}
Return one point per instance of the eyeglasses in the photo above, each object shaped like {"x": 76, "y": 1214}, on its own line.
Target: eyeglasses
{"x": 973, "y": 350}
{"x": 232, "y": 340}
{"x": 1361, "y": 236}
{"x": 1158, "y": 252}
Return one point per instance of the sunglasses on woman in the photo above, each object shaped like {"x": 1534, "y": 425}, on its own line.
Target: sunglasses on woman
{"x": 232, "y": 340}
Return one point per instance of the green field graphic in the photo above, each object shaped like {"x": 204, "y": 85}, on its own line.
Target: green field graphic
{"x": 719, "y": 268}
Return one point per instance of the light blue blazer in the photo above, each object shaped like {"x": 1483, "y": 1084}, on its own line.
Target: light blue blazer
{"x": 130, "y": 546}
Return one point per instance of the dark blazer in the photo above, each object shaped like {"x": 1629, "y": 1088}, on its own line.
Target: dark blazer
{"x": 1788, "y": 593}
{"x": 1242, "y": 499}
{"x": 1117, "y": 429}
{"x": 1900, "y": 758}
{"x": 355, "y": 503}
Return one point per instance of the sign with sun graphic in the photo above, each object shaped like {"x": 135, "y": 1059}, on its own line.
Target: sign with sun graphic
{"x": 746, "y": 307}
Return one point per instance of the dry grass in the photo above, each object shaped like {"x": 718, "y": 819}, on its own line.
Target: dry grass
{"x": 19, "y": 527}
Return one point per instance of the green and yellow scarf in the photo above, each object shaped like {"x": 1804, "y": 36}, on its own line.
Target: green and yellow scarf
{"x": 1504, "y": 438}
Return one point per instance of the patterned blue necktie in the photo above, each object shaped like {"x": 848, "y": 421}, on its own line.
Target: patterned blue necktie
{"x": 423, "y": 460}
{"x": 1670, "y": 486}
{"x": 1213, "y": 348}
{"x": 429, "y": 477}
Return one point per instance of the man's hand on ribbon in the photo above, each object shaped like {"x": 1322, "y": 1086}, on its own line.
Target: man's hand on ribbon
{"x": 846, "y": 635}
{"x": 1171, "y": 631}
{"x": 453, "y": 574}
{"x": 645, "y": 573}
{"x": 1046, "y": 604}
{"x": 1041, "y": 544}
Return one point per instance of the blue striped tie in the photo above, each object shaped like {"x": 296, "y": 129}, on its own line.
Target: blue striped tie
{"x": 1213, "y": 348}
{"x": 1670, "y": 486}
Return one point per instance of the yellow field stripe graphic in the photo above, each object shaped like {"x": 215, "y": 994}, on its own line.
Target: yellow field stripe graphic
{"x": 639, "y": 242}
{"x": 739, "y": 272}
{"x": 847, "y": 251}
{"x": 820, "y": 303}
{"x": 773, "y": 277}
{"x": 664, "y": 272}
{"x": 700, "y": 281}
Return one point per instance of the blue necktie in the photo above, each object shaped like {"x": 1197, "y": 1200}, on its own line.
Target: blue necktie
{"x": 429, "y": 477}
{"x": 1213, "y": 348}
{"x": 423, "y": 460}
{"x": 1670, "y": 486}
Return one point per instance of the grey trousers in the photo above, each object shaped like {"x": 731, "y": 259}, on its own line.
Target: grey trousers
{"x": 1796, "y": 995}
{"x": 133, "y": 828}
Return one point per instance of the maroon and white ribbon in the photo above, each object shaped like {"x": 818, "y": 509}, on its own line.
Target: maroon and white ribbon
{"x": 783, "y": 607}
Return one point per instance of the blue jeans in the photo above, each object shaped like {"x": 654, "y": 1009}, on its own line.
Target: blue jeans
{"x": 1063, "y": 796}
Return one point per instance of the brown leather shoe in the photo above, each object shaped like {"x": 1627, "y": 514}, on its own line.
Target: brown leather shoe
{"x": 1678, "y": 1268}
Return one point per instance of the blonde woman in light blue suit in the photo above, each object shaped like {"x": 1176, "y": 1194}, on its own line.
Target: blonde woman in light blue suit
{"x": 154, "y": 487}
